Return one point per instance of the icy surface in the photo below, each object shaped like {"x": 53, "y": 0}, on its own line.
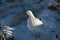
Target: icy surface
{"x": 13, "y": 13}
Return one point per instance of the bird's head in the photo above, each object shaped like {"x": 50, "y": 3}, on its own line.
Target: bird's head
{"x": 29, "y": 13}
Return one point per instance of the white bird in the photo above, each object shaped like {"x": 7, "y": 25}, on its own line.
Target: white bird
{"x": 33, "y": 23}
{"x": 39, "y": 26}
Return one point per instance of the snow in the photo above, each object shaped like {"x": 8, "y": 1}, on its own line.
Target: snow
{"x": 14, "y": 15}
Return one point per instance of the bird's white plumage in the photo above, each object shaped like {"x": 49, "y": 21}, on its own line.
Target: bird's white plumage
{"x": 42, "y": 26}
{"x": 33, "y": 22}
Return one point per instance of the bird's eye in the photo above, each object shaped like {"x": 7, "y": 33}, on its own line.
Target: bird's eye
{"x": 40, "y": 19}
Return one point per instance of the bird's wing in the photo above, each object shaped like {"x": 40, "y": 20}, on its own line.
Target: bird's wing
{"x": 36, "y": 22}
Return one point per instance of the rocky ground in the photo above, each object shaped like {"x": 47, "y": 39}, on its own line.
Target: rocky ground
{"x": 13, "y": 13}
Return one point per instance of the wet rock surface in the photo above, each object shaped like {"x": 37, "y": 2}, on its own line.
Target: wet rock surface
{"x": 13, "y": 13}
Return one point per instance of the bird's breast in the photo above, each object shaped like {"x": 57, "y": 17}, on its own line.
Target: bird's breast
{"x": 36, "y": 22}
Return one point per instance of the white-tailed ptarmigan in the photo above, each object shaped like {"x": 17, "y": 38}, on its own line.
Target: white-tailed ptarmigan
{"x": 37, "y": 26}
{"x": 33, "y": 23}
